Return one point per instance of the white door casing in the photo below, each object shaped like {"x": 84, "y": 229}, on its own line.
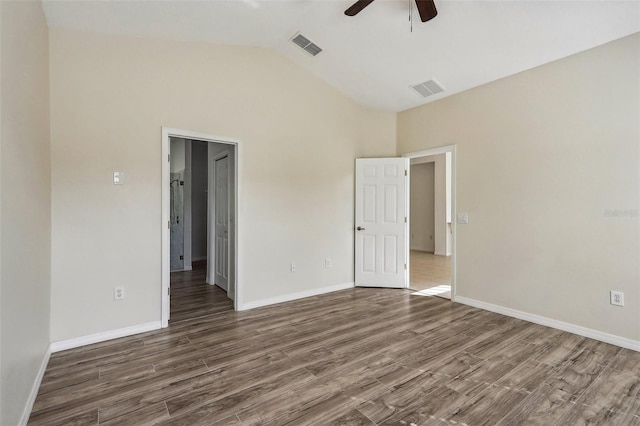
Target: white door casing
{"x": 380, "y": 220}
{"x": 452, "y": 205}
{"x": 235, "y": 275}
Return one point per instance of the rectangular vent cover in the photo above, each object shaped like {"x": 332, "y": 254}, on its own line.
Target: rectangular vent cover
{"x": 306, "y": 44}
{"x": 428, "y": 88}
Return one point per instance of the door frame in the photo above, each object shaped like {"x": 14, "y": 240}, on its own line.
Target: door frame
{"x": 167, "y": 133}
{"x": 425, "y": 153}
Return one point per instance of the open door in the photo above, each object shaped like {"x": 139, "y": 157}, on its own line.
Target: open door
{"x": 381, "y": 222}
{"x": 221, "y": 222}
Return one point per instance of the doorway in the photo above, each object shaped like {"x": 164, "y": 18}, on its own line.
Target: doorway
{"x": 382, "y": 225}
{"x": 199, "y": 208}
{"x": 430, "y": 223}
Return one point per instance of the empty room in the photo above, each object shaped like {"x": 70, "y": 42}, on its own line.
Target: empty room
{"x": 347, "y": 212}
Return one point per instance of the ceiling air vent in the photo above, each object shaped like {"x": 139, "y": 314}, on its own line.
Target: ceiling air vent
{"x": 428, "y": 88}
{"x": 307, "y": 45}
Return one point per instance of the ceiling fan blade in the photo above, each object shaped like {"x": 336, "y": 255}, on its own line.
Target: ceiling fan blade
{"x": 426, "y": 9}
{"x": 357, "y": 7}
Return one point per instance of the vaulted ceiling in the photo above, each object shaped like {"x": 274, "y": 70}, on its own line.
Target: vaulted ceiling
{"x": 376, "y": 56}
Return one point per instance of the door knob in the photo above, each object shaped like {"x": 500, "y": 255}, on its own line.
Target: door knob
{"x": 360, "y": 228}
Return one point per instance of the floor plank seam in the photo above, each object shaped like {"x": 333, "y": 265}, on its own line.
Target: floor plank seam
{"x": 364, "y": 415}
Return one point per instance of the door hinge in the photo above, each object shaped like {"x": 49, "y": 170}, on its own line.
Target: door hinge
{"x": 169, "y": 157}
{"x": 405, "y": 172}
{"x": 168, "y": 224}
{"x": 405, "y": 219}
{"x": 405, "y": 266}
{"x": 169, "y": 291}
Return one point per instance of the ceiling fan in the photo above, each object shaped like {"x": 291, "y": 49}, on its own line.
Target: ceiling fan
{"x": 426, "y": 8}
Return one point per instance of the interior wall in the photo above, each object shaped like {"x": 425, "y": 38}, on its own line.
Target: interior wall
{"x": 547, "y": 167}
{"x": 441, "y": 201}
{"x": 199, "y": 200}
{"x": 422, "y": 207}
{"x": 111, "y": 95}
{"x": 25, "y": 206}
{"x": 178, "y": 162}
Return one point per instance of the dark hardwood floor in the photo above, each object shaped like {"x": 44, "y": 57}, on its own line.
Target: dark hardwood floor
{"x": 192, "y": 297}
{"x": 354, "y": 357}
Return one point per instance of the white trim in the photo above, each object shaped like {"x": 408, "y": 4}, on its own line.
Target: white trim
{"x": 28, "y": 407}
{"x": 407, "y": 222}
{"x": 295, "y": 296}
{"x": 77, "y": 342}
{"x": 168, "y": 132}
{"x": 549, "y": 322}
{"x": 454, "y": 241}
{"x": 429, "y": 152}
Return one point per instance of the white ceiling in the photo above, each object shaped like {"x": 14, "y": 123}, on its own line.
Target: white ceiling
{"x": 373, "y": 57}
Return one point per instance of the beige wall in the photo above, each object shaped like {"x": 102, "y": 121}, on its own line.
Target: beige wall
{"x": 111, "y": 95}
{"x": 542, "y": 157}
{"x": 25, "y": 212}
{"x": 422, "y": 220}
{"x": 441, "y": 200}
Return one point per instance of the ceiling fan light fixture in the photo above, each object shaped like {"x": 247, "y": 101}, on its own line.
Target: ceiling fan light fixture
{"x": 305, "y": 44}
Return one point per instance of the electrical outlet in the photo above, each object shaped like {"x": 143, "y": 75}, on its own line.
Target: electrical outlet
{"x": 617, "y": 298}
{"x": 293, "y": 267}
{"x": 118, "y": 293}
{"x": 327, "y": 263}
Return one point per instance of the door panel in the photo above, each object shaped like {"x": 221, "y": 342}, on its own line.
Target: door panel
{"x": 222, "y": 221}
{"x": 381, "y": 193}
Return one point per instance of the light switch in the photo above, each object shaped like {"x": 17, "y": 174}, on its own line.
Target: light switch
{"x": 118, "y": 178}
{"x": 463, "y": 218}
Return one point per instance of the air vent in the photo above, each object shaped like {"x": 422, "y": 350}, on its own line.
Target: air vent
{"x": 428, "y": 88}
{"x": 307, "y": 45}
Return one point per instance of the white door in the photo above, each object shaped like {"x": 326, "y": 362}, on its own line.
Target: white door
{"x": 381, "y": 210}
{"x": 222, "y": 222}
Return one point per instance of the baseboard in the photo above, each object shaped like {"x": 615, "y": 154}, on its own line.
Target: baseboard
{"x": 295, "y": 296}
{"x": 426, "y": 250}
{"x": 560, "y": 325}
{"x": 76, "y": 342}
{"x": 26, "y": 413}
{"x": 197, "y": 259}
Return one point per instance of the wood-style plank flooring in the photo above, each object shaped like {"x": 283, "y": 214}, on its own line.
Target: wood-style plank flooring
{"x": 355, "y": 357}
{"x": 192, "y": 297}
{"x": 428, "y": 270}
